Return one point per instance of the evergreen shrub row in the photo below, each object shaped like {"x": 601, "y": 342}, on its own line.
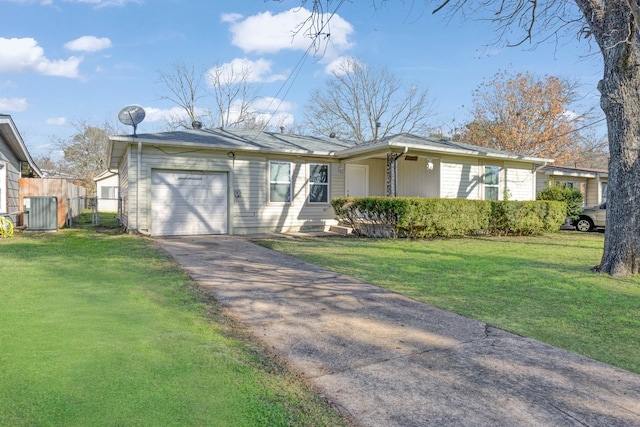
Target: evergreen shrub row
{"x": 415, "y": 217}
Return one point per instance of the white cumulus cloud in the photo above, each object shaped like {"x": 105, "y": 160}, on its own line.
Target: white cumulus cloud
{"x": 340, "y": 65}
{"x": 172, "y": 114}
{"x": 268, "y": 33}
{"x": 13, "y": 104}
{"x": 25, "y": 55}
{"x": 243, "y": 70}
{"x": 88, "y": 44}
{"x": 56, "y": 121}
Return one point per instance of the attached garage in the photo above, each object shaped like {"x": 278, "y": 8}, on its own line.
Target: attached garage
{"x": 188, "y": 203}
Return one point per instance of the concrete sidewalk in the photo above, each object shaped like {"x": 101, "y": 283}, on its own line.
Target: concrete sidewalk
{"x": 385, "y": 360}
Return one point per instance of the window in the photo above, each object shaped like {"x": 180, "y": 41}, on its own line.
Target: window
{"x": 604, "y": 191}
{"x": 491, "y": 182}
{"x": 318, "y": 183}
{"x": 108, "y": 192}
{"x": 279, "y": 182}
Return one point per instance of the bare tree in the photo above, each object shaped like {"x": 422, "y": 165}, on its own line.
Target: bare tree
{"x": 614, "y": 25}
{"x": 365, "y": 103}
{"x": 594, "y": 152}
{"x": 182, "y": 85}
{"x": 233, "y": 95}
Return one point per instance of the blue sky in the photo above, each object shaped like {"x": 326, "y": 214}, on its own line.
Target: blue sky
{"x": 66, "y": 61}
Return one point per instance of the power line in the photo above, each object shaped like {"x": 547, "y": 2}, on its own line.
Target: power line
{"x": 290, "y": 80}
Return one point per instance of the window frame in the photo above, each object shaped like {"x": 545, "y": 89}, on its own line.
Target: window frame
{"x": 279, "y": 183}
{"x": 325, "y": 184}
{"x": 111, "y": 190}
{"x": 487, "y": 186}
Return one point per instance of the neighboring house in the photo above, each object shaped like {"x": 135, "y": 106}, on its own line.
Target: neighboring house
{"x": 107, "y": 191}
{"x": 15, "y": 162}
{"x": 214, "y": 181}
{"x": 591, "y": 183}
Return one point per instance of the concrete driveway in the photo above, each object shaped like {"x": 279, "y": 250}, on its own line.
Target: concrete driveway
{"x": 384, "y": 360}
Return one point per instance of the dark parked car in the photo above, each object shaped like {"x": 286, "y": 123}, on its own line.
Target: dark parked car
{"x": 591, "y": 217}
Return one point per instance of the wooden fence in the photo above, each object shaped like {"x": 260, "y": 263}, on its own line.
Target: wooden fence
{"x": 71, "y": 197}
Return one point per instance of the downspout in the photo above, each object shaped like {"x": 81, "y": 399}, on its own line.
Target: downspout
{"x": 535, "y": 178}
{"x": 138, "y": 186}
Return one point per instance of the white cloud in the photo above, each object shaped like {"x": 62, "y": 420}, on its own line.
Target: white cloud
{"x": 42, "y": 2}
{"x": 97, "y": 3}
{"x": 88, "y": 44}
{"x": 268, "y": 33}
{"x": 230, "y": 17}
{"x": 340, "y": 65}
{"x": 24, "y": 55}
{"x": 172, "y": 114}
{"x": 56, "y": 121}
{"x": 271, "y": 104}
{"x": 570, "y": 116}
{"x": 243, "y": 69}
{"x": 268, "y": 110}
{"x": 7, "y": 84}
{"x": 13, "y": 104}
{"x": 106, "y": 3}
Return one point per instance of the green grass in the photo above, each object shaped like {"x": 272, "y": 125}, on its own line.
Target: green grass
{"x": 103, "y": 329}
{"x": 539, "y": 287}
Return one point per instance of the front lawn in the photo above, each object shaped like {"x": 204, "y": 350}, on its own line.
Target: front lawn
{"x": 540, "y": 287}
{"x": 103, "y": 329}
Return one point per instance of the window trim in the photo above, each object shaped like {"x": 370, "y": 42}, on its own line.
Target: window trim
{"x": 325, "y": 184}
{"x": 270, "y": 183}
{"x": 486, "y": 186}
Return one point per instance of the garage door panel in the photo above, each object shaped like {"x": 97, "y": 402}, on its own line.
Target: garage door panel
{"x": 185, "y": 203}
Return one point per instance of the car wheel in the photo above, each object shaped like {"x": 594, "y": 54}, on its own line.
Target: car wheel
{"x": 584, "y": 224}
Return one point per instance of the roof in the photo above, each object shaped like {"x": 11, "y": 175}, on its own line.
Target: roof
{"x": 581, "y": 172}
{"x": 9, "y": 133}
{"x": 281, "y": 143}
{"x": 106, "y": 174}
{"x": 232, "y": 140}
{"x": 433, "y": 146}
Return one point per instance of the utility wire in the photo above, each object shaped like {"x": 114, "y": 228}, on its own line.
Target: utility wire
{"x": 290, "y": 80}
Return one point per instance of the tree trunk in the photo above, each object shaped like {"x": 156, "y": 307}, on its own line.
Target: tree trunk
{"x": 620, "y": 100}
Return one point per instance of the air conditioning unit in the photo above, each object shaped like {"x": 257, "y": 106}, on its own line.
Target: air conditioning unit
{"x": 41, "y": 213}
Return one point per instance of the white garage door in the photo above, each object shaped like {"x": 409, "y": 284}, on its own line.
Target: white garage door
{"x": 186, "y": 203}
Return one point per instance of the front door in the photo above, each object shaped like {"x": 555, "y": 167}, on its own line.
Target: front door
{"x": 356, "y": 180}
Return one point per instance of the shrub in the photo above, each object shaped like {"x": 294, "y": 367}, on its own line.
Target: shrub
{"x": 421, "y": 217}
{"x": 526, "y": 217}
{"x": 571, "y": 196}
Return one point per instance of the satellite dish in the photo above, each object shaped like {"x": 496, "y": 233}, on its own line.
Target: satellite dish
{"x": 131, "y": 115}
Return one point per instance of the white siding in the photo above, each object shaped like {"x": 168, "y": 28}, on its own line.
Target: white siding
{"x": 107, "y": 204}
{"x": 414, "y": 180}
{"x": 519, "y": 181}
{"x": 12, "y": 175}
{"x": 459, "y": 178}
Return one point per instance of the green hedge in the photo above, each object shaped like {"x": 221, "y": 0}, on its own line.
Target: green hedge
{"x": 571, "y": 196}
{"x": 415, "y": 217}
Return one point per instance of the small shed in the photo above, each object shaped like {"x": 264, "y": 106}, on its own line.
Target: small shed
{"x": 107, "y": 192}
